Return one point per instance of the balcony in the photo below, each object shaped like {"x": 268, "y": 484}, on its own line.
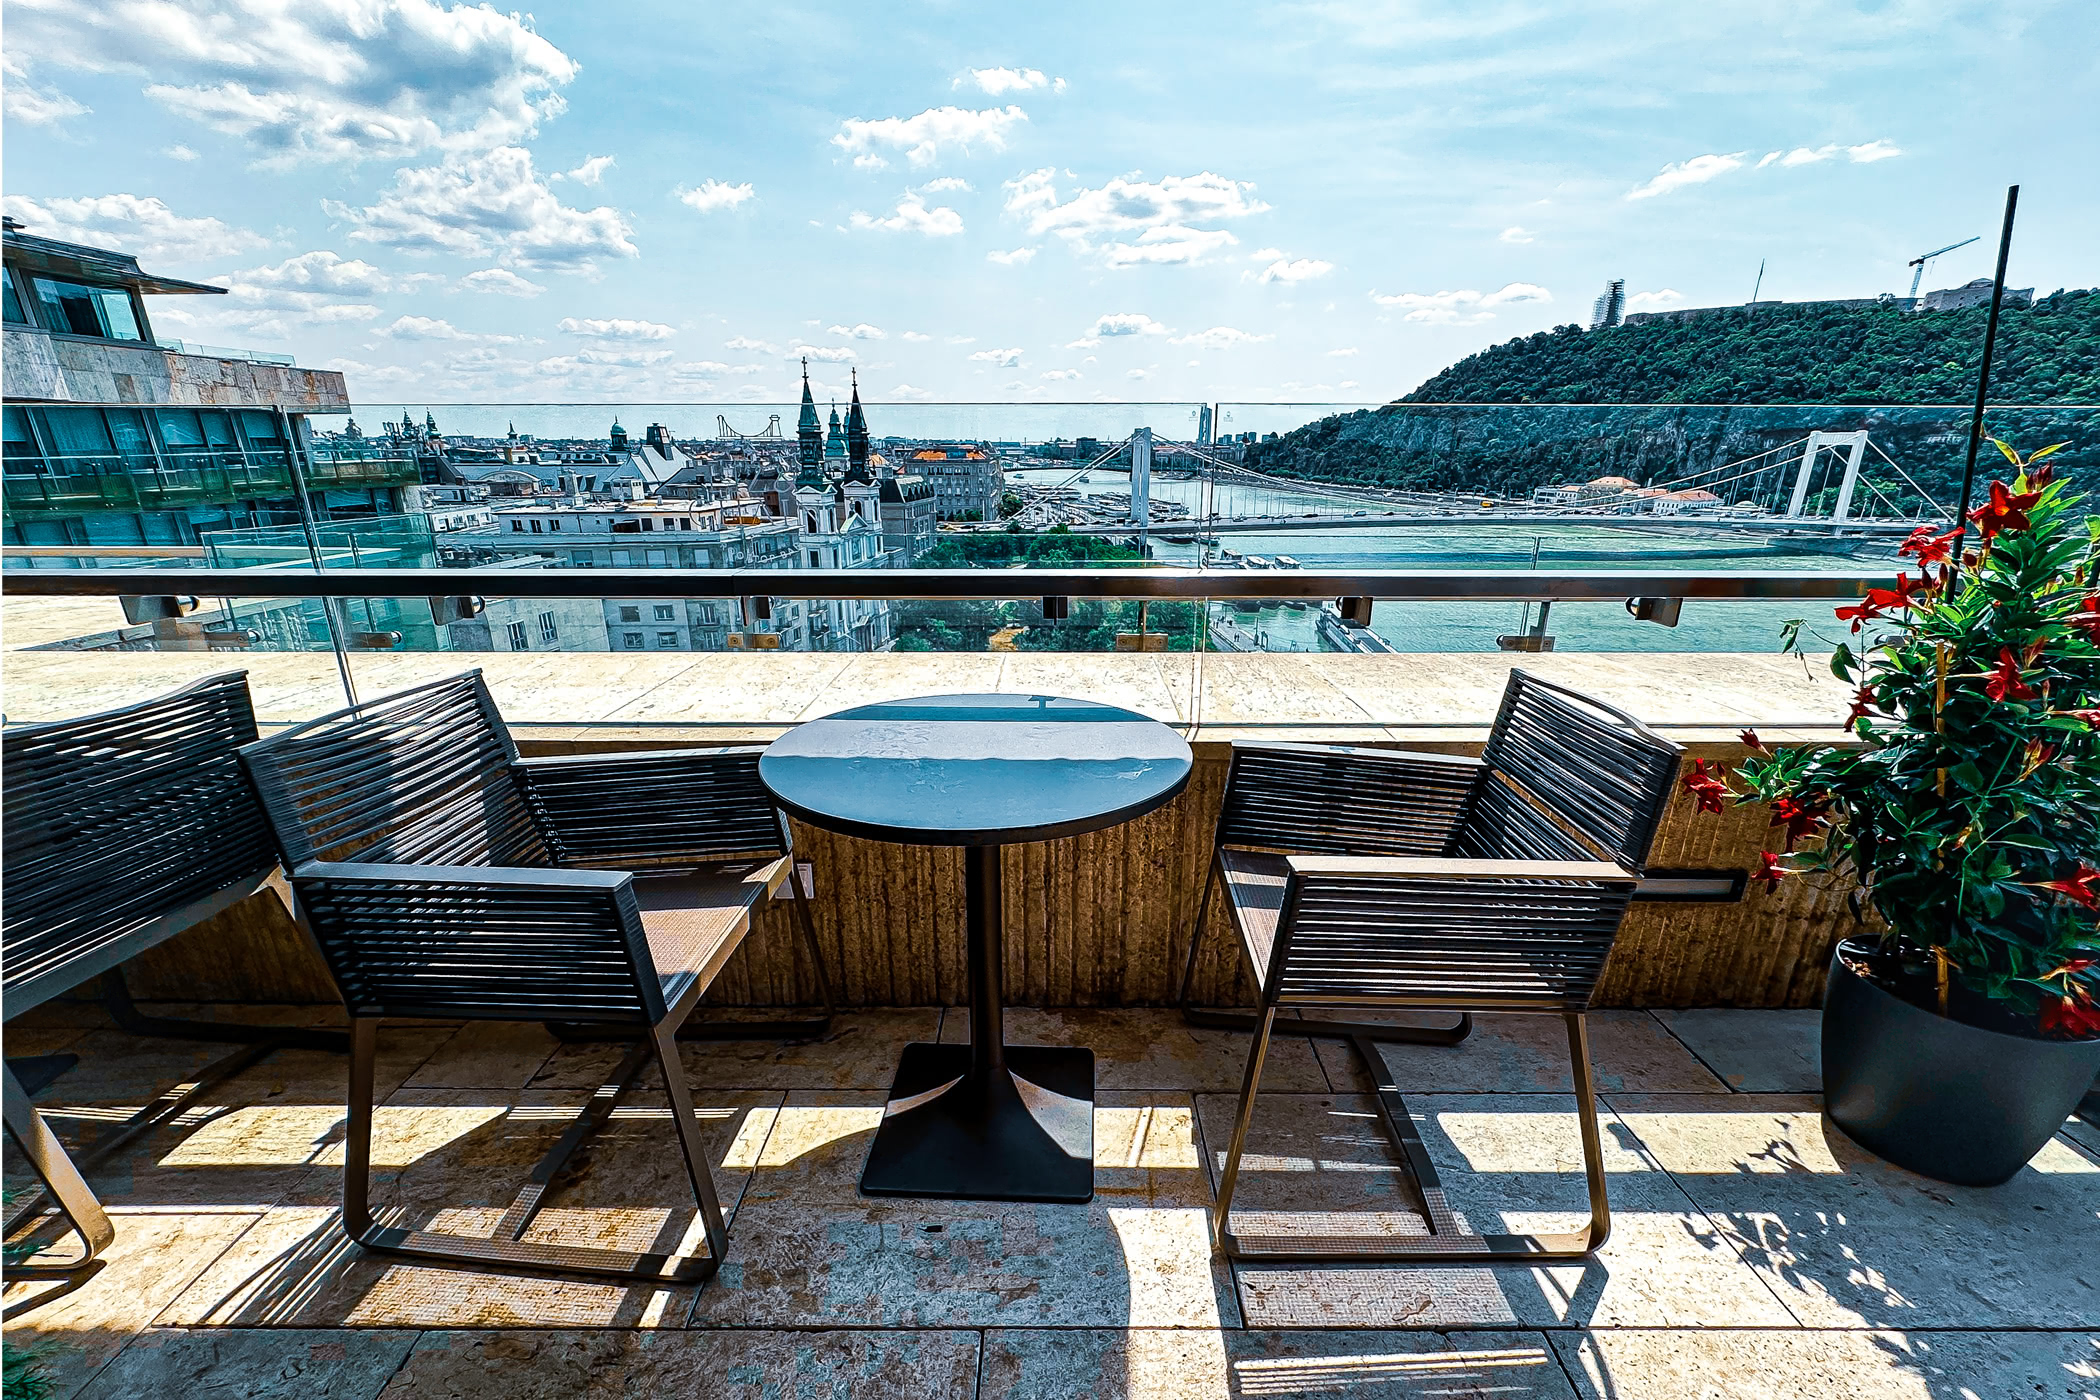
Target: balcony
{"x": 73, "y": 485}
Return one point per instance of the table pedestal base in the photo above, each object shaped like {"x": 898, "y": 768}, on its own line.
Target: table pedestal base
{"x": 1025, "y": 1133}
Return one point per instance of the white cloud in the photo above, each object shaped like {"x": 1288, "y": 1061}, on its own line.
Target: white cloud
{"x": 1345, "y": 350}
{"x": 827, "y": 354}
{"x": 701, "y": 369}
{"x": 870, "y": 161}
{"x": 1295, "y": 270}
{"x": 1865, "y": 154}
{"x": 1873, "y": 151}
{"x": 1515, "y": 234}
{"x": 747, "y": 369}
{"x": 1164, "y": 215}
{"x": 745, "y": 342}
{"x": 1467, "y": 305}
{"x": 995, "y": 81}
{"x": 863, "y": 331}
{"x": 947, "y": 182}
{"x": 622, "y": 357}
{"x": 591, "y": 172}
{"x": 137, "y": 224}
{"x": 1005, "y": 359}
{"x": 913, "y": 216}
{"x": 710, "y": 195}
{"x": 179, "y": 152}
{"x": 424, "y": 328}
{"x": 1696, "y": 171}
{"x": 22, "y": 101}
{"x": 962, "y": 340}
{"x": 1060, "y": 374}
{"x": 327, "y": 80}
{"x": 917, "y": 336}
{"x": 319, "y": 273}
{"x": 486, "y": 204}
{"x": 1219, "y": 338}
{"x": 1654, "y": 301}
{"x": 499, "y": 280}
{"x": 1126, "y": 323}
{"x": 355, "y": 311}
{"x": 1137, "y": 374}
{"x": 1011, "y": 257}
{"x": 907, "y": 391}
{"x": 1768, "y": 158}
{"x": 922, "y": 138}
{"x": 616, "y": 329}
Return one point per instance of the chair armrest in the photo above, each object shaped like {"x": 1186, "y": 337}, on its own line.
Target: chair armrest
{"x": 1333, "y": 797}
{"x": 662, "y": 807}
{"x": 515, "y": 879}
{"x": 1426, "y": 761}
{"x": 1589, "y": 872}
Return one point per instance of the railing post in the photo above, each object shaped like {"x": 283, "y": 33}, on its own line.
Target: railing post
{"x": 329, "y": 613}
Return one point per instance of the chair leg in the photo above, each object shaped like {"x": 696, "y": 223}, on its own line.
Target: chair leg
{"x": 1229, "y": 1178}
{"x": 688, "y": 1124}
{"x": 62, "y": 1179}
{"x": 1446, "y": 1242}
{"x": 502, "y": 1253}
{"x": 810, "y": 1029}
{"x": 1188, "y": 969}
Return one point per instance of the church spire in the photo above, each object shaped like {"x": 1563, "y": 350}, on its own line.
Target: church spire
{"x": 856, "y": 437}
{"x": 809, "y": 432}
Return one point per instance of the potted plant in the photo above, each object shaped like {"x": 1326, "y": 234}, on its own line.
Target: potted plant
{"x": 1959, "y": 1036}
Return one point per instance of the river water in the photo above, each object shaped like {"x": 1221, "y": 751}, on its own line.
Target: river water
{"x": 1706, "y": 625}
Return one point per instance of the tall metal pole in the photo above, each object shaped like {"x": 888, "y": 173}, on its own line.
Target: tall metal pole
{"x": 329, "y": 615}
{"x": 1983, "y": 376}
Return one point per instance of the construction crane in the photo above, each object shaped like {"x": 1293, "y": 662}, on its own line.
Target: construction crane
{"x": 1920, "y": 261}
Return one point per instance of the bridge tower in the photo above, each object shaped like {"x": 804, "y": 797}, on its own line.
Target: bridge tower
{"x": 1141, "y": 476}
{"x": 1856, "y": 445}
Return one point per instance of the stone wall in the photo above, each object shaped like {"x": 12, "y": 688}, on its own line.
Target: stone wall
{"x": 41, "y": 368}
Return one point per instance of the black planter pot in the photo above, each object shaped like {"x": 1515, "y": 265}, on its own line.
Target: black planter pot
{"x": 1947, "y": 1100}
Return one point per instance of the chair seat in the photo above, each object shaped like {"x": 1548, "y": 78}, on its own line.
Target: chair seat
{"x": 694, "y": 919}
{"x": 1254, "y": 882}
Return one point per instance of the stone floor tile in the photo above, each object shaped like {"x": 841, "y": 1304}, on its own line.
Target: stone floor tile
{"x": 1815, "y": 1365}
{"x": 1120, "y": 1364}
{"x": 252, "y": 1365}
{"x": 1511, "y": 1054}
{"x": 487, "y": 1055}
{"x": 2086, "y": 1134}
{"x": 740, "y": 1365}
{"x": 83, "y": 1012}
{"x": 1508, "y": 1162}
{"x": 1154, "y": 1048}
{"x": 452, "y": 1160}
{"x": 1755, "y": 1052}
{"x": 25, "y": 1041}
{"x": 1847, "y": 1240}
{"x": 155, "y": 1255}
{"x": 859, "y": 1052}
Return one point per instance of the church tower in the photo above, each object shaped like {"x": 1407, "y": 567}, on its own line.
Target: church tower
{"x": 809, "y": 433}
{"x": 835, "y": 441}
{"x": 857, "y": 437}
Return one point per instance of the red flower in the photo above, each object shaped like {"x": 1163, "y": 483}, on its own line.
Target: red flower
{"x": 1769, "y": 869}
{"x": 1750, "y": 740}
{"x": 2078, "y": 888}
{"x": 1799, "y": 818}
{"x": 1709, "y": 788}
{"x": 2004, "y": 511}
{"x": 2005, "y": 683}
{"x": 1928, "y": 547}
{"x": 2038, "y": 477}
{"x": 1862, "y": 706}
{"x": 2091, "y": 717}
{"x": 2071, "y": 1017}
{"x": 2089, "y": 618}
{"x": 1881, "y": 601}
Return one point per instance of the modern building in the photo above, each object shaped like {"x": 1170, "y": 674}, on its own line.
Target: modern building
{"x": 1609, "y": 309}
{"x": 116, "y": 437}
{"x": 967, "y": 477}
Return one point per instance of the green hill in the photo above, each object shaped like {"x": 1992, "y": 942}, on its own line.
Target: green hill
{"x": 1488, "y": 423}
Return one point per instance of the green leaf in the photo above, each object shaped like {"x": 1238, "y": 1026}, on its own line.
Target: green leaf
{"x": 1842, "y": 662}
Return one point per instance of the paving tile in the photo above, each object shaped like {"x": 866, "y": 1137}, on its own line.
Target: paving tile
{"x": 243, "y": 1365}
{"x": 1508, "y": 1054}
{"x": 1154, "y": 1048}
{"x": 731, "y": 1365}
{"x": 155, "y": 1255}
{"x": 1508, "y": 1162}
{"x": 452, "y": 1160}
{"x": 2085, "y": 1134}
{"x": 859, "y": 1052}
{"x": 1847, "y": 1240}
{"x": 1755, "y": 1052}
{"x": 487, "y": 1055}
{"x": 1716, "y": 1365}
{"x": 26, "y": 1041}
{"x": 1118, "y": 1364}
{"x": 808, "y": 1250}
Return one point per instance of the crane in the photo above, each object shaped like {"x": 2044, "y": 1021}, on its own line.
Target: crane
{"x": 1920, "y": 261}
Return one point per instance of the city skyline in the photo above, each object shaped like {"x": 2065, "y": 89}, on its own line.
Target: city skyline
{"x": 1281, "y": 202}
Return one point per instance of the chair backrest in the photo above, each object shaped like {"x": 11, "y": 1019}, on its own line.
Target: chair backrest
{"x": 117, "y": 825}
{"x": 1330, "y": 800}
{"x": 1600, "y": 770}
{"x": 420, "y": 777}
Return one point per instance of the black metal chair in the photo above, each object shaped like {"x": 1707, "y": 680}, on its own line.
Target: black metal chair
{"x": 445, "y": 877}
{"x": 1377, "y": 879}
{"x": 122, "y": 829}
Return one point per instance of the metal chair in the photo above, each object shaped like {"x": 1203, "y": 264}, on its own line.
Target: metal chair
{"x": 1374, "y": 879}
{"x": 445, "y": 877}
{"x": 123, "y": 829}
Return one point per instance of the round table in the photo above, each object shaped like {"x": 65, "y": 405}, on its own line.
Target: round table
{"x": 985, "y": 1121}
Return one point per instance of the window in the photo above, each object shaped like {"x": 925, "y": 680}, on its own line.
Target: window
{"x": 706, "y": 614}
{"x": 648, "y": 524}
{"x": 816, "y": 560}
{"x": 103, "y": 312}
{"x": 517, "y": 637}
{"x": 517, "y": 527}
{"x": 664, "y": 613}
{"x": 581, "y": 558}
{"x": 535, "y": 525}
{"x": 555, "y": 524}
{"x": 658, "y": 558}
{"x": 631, "y": 640}
{"x": 547, "y": 630}
{"x": 15, "y": 314}
{"x": 628, "y": 614}
{"x": 667, "y": 639}
{"x": 685, "y": 524}
{"x": 619, "y": 559}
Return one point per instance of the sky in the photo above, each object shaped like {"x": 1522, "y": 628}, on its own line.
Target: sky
{"x": 1297, "y": 202}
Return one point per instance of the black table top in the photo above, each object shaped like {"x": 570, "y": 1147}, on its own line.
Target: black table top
{"x": 975, "y": 770}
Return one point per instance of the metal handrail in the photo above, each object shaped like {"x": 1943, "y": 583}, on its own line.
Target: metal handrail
{"x": 1437, "y": 585}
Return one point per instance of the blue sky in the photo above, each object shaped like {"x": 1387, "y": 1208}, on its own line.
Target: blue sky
{"x": 655, "y": 202}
